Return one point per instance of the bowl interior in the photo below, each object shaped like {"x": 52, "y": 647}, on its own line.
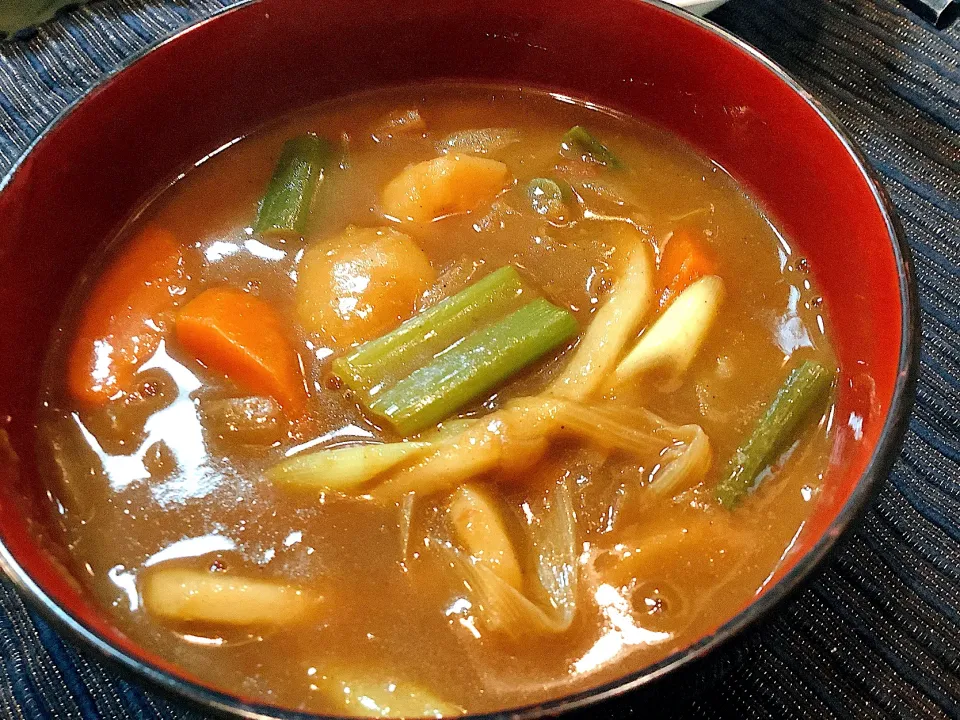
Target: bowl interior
{"x": 211, "y": 84}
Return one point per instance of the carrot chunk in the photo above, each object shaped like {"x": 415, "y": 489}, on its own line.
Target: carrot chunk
{"x": 241, "y": 336}
{"x": 682, "y": 262}
{"x": 125, "y": 317}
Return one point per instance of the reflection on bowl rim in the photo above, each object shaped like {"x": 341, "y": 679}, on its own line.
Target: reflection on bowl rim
{"x": 868, "y": 484}
{"x": 694, "y": 6}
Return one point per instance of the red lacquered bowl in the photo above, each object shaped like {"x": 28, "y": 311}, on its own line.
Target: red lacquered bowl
{"x": 214, "y": 82}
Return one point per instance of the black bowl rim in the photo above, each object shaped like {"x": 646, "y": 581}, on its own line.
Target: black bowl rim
{"x": 880, "y": 463}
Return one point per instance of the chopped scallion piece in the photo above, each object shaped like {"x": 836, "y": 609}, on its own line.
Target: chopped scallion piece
{"x": 342, "y": 469}
{"x": 286, "y": 204}
{"x": 415, "y": 342}
{"x": 474, "y": 366}
{"x": 578, "y": 143}
{"x": 805, "y": 386}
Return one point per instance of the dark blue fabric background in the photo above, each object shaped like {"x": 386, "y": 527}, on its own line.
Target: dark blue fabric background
{"x": 877, "y": 632}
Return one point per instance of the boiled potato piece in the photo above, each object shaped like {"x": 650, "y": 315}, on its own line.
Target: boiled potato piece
{"x": 361, "y": 284}
{"x": 445, "y": 185}
{"x": 481, "y": 530}
{"x": 200, "y": 596}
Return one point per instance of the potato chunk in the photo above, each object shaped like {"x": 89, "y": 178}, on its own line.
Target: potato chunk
{"x": 197, "y": 596}
{"x": 361, "y": 284}
{"x": 445, "y": 185}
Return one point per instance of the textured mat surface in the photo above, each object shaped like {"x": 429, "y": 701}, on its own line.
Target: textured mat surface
{"x": 877, "y": 632}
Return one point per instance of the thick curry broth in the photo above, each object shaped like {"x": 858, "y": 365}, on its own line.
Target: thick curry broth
{"x": 149, "y": 486}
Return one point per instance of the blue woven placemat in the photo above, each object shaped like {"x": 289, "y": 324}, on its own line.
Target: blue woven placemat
{"x": 877, "y": 632}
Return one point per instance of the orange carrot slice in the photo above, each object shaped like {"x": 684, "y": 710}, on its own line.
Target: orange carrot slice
{"x": 682, "y": 262}
{"x": 241, "y": 336}
{"x": 125, "y": 317}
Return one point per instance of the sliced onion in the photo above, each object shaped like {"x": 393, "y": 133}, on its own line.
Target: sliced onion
{"x": 480, "y": 141}
{"x": 551, "y": 537}
{"x": 686, "y": 464}
{"x": 362, "y": 693}
{"x": 615, "y": 324}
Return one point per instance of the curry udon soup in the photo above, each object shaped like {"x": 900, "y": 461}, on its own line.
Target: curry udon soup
{"x": 436, "y": 400}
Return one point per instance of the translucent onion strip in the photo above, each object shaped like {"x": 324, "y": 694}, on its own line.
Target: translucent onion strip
{"x": 513, "y": 439}
{"x": 480, "y": 141}
{"x": 614, "y": 325}
{"x": 480, "y": 529}
{"x": 687, "y": 463}
{"x": 502, "y": 608}
{"x": 362, "y": 693}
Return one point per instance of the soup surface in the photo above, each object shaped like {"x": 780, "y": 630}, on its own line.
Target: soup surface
{"x": 594, "y": 439}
